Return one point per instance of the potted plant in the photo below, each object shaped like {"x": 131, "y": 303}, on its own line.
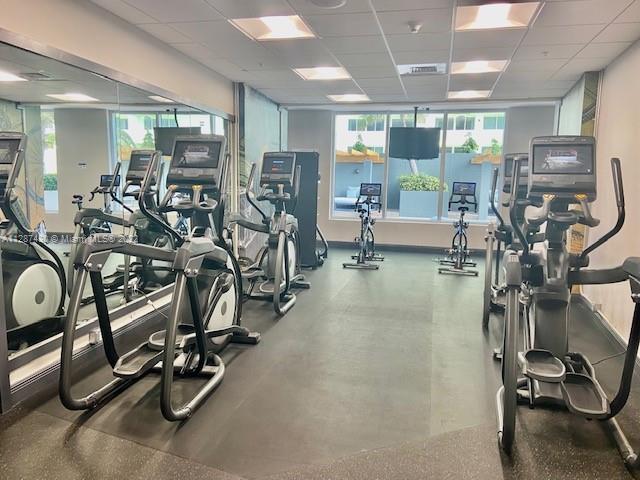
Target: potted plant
{"x": 419, "y": 195}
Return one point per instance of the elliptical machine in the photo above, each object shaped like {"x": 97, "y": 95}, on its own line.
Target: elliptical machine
{"x": 502, "y": 234}
{"x": 562, "y": 172}
{"x": 368, "y": 202}
{"x": 32, "y": 273}
{"x": 463, "y": 194}
{"x": 206, "y": 302}
{"x": 277, "y": 271}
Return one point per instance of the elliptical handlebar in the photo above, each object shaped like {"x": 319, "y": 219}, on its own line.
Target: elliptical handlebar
{"x": 145, "y": 188}
{"x": 247, "y": 193}
{"x": 618, "y": 188}
{"x": 512, "y": 207}
{"x": 492, "y": 199}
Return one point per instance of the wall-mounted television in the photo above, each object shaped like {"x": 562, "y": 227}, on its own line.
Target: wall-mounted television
{"x": 414, "y": 143}
{"x": 164, "y": 137}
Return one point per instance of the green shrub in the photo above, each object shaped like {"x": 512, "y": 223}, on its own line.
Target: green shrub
{"x": 420, "y": 182}
{"x": 50, "y": 182}
{"x": 470, "y": 145}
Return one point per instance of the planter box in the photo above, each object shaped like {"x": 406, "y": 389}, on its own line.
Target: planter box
{"x": 418, "y": 204}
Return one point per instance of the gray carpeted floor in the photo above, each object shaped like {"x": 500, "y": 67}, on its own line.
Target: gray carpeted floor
{"x": 374, "y": 374}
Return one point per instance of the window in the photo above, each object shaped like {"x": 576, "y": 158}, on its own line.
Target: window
{"x": 415, "y": 189}
{"x": 413, "y": 185}
{"x": 50, "y": 161}
{"x": 360, "y": 157}
{"x": 476, "y": 150}
{"x": 494, "y": 122}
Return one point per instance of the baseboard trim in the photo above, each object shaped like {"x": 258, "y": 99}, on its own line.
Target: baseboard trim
{"x": 390, "y": 247}
{"x": 602, "y": 322}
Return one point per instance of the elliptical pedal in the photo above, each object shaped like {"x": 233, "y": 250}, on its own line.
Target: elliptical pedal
{"x": 584, "y": 396}
{"x": 543, "y": 366}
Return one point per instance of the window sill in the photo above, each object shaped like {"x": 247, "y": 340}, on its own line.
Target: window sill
{"x": 448, "y": 221}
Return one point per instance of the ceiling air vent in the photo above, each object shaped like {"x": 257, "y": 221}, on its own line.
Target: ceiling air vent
{"x": 423, "y": 69}
{"x": 37, "y": 76}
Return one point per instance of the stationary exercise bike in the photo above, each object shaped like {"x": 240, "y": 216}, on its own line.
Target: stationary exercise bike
{"x": 463, "y": 194}
{"x": 204, "y": 314}
{"x": 277, "y": 270}
{"x": 562, "y": 173}
{"x": 368, "y": 202}
{"x": 32, "y": 273}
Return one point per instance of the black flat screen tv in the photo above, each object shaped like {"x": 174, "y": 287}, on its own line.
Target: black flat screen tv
{"x": 414, "y": 143}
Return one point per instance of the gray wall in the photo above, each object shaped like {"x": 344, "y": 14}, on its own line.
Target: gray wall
{"x": 523, "y": 123}
{"x": 82, "y": 136}
{"x": 313, "y": 129}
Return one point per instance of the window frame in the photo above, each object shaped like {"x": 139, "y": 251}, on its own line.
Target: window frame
{"x": 447, "y": 115}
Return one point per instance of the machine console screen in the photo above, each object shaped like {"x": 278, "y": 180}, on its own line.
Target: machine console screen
{"x": 370, "y": 189}
{"x": 563, "y": 159}
{"x": 277, "y": 165}
{"x": 198, "y": 155}
{"x": 139, "y": 162}
{"x": 464, "y": 188}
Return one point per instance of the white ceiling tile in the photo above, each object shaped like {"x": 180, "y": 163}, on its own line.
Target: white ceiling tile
{"x": 277, "y": 79}
{"x": 483, "y": 81}
{"x": 520, "y": 94}
{"x": 251, "y": 8}
{"x": 365, "y": 60}
{"x": 543, "y": 52}
{"x": 603, "y": 50}
{"x": 391, "y": 82}
{"x": 125, "y": 11}
{"x": 585, "y": 12}
{"x": 422, "y": 56}
{"x": 619, "y": 32}
{"x": 432, "y": 82}
{"x": 224, "y": 40}
{"x": 396, "y": 90}
{"x": 372, "y": 72}
{"x": 410, "y": 42}
{"x": 548, "y": 65}
{"x": 432, "y": 20}
{"x": 514, "y": 76}
{"x": 488, "y": 39}
{"x": 348, "y": 24}
{"x": 508, "y": 84}
{"x": 355, "y": 44}
{"x": 195, "y": 50}
{"x": 556, "y": 35}
{"x": 388, "y": 98}
{"x": 470, "y": 54}
{"x": 575, "y": 68}
{"x": 262, "y": 61}
{"x": 181, "y": 11}
{"x": 352, "y": 6}
{"x": 630, "y": 15}
{"x": 386, "y": 5}
{"x": 305, "y": 53}
{"x": 165, "y": 33}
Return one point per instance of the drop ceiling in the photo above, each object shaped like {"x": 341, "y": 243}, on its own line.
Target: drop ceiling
{"x": 566, "y": 38}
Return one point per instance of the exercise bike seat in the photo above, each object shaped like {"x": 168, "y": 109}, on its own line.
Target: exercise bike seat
{"x": 463, "y": 209}
{"x": 632, "y": 267}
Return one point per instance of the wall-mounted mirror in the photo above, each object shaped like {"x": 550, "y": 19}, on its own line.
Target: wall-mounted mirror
{"x": 83, "y": 137}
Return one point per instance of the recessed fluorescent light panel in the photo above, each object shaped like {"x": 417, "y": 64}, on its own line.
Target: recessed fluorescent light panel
{"x": 273, "y": 28}
{"x": 160, "y": 99}
{"x": 478, "y": 66}
{"x": 10, "y": 77}
{"x": 72, "y": 97}
{"x": 323, "y": 73}
{"x": 349, "y": 98}
{"x": 468, "y": 94}
{"x": 495, "y": 15}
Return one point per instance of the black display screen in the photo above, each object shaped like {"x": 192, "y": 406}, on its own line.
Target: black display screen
{"x": 569, "y": 159}
{"x": 139, "y": 162}
{"x": 166, "y": 136}
{"x": 8, "y": 150}
{"x": 414, "y": 143}
{"x": 196, "y": 154}
{"x": 105, "y": 180}
{"x": 370, "y": 189}
{"x": 464, "y": 188}
{"x": 277, "y": 165}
